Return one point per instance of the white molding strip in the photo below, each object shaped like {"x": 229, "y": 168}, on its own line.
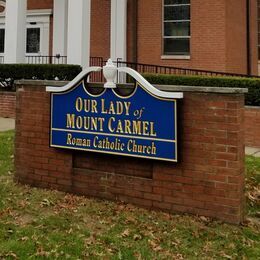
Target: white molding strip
{"x": 75, "y": 81}
{"x": 139, "y": 78}
{"x": 39, "y": 12}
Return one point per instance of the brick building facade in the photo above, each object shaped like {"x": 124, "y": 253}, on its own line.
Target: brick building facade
{"x": 209, "y": 35}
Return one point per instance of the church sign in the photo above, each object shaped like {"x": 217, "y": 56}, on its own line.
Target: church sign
{"x": 143, "y": 124}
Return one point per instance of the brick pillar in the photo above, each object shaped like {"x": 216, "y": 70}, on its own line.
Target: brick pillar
{"x": 36, "y": 163}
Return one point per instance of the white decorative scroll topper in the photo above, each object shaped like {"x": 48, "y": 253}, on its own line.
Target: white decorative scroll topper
{"x": 110, "y": 72}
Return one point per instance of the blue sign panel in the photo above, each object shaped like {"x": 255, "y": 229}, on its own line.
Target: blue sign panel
{"x": 140, "y": 125}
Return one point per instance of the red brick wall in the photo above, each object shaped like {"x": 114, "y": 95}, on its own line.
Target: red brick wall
{"x": 7, "y": 104}
{"x": 236, "y": 36}
{"x": 42, "y": 4}
{"x": 252, "y": 126}
{"x": 208, "y": 180}
{"x": 100, "y": 29}
{"x": 131, "y": 31}
{"x": 236, "y": 41}
{"x": 218, "y": 35}
{"x": 208, "y": 48}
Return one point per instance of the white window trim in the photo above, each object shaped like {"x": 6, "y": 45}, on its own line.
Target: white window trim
{"x": 175, "y": 57}
{"x": 40, "y": 26}
{"x": 42, "y": 20}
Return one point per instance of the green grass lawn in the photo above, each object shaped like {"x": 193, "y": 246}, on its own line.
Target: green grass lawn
{"x": 41, "y": 224}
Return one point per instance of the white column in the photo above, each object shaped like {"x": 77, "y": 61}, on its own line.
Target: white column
{"x": 15, "y": 31}
{"x": 60, "y": 27}
{"x": 79, "y": 12}
{"x": 118, "y": 29}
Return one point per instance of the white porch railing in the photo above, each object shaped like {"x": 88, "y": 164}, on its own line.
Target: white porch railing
{"x": 31, "y": 59}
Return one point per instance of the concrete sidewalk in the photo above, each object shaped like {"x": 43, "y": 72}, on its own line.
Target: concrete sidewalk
{"x": 252, "y": 151}
{"x": 9, "y": 124}
{"x": 6, "y": 124}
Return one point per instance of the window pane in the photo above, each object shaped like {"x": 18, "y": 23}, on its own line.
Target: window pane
{"x": 2, "y": 40}
{"x": 174, "y": 2}
{"x": 181, "y": 12}
{"x": 33, "y": 40}
{"x": 177, "y": 29}
{"x": 176, "y": 46}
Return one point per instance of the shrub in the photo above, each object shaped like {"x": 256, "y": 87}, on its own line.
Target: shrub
{"x": 39, "y": 71}
{"x": 252, "y": 98}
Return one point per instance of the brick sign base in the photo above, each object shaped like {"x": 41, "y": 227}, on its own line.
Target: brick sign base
{"x": 7, "y": 104}
{"x": 208, "y": 180}
{"x": 252, "y": 126}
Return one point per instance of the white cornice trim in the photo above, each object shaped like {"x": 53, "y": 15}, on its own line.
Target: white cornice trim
{"x": 36, "y": 12}
{"x": 39, "y": 12}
